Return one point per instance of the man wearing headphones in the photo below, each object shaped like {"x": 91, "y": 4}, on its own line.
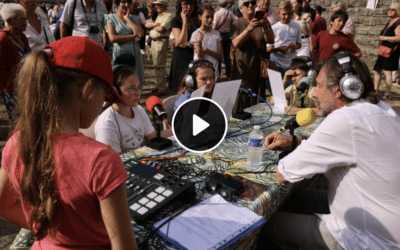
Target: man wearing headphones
{"x": 356, "y": 148}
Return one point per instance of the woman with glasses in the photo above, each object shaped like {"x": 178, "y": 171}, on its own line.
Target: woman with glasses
{"x": 13, "y": 47}
{"x": 249, "y": 37}
{"x": 183, "y": 25}
{"x": 389, "y": 37}
{"x": 38, "y": 30}
{"x": 125, "y": 127}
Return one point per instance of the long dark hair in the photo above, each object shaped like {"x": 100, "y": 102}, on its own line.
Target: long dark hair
{"x": 179, "y": 9}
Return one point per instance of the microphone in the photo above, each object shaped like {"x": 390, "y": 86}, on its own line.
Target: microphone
{"x": 304, "y": 84}
{"x": 304, "y": 118}
{"x": 244, "y": 90}
{"x": 154, "y": 103}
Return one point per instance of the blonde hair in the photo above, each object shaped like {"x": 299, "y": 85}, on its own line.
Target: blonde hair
{"x": 41, "y": 94}
{"x": 285, "y": 5}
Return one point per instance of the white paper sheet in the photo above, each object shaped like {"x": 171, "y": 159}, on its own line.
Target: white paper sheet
{"x": 212, "y": 221}
{"x": 225, "y": 94}
{"x": 278, "y": 92}
{"x": 198, "y": 92}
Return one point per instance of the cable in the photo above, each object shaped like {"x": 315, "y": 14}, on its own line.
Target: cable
{"x": 165, "y": 158}
{"x": 252, "y": 124}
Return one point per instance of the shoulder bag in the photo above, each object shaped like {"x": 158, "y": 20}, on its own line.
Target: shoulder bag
{"x": 264, "y": 63}
{"x": 385, "y": 51}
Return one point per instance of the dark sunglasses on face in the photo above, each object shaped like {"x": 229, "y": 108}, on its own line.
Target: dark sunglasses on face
{"x": 253, "y": 3}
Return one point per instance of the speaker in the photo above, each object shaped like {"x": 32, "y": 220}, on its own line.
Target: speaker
{"x": 190, "y": 79}
{"x": 349, "y": 85}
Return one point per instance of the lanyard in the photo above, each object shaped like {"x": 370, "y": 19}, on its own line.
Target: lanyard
{"x": 84, "y": 10}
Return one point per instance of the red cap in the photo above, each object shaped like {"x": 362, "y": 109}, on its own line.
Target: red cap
{"x": 83, "y": 55}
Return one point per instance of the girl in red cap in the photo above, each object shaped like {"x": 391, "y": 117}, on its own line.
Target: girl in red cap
{"x": 66, "y": 188}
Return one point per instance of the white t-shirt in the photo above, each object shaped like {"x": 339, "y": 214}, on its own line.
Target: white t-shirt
{"x": 284, "y": 35}
{"x": 120, "y": 132}
{"x": 83, "y": 21}
{"x": 210, "y": 41}
{"x": 38, "y": 41}
{"x": 357, "y": 148}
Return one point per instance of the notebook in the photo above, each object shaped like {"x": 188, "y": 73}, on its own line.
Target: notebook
{"x": 212, "y": 224}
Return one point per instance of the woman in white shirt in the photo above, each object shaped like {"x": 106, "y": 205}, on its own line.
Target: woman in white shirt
{"x": 125, "y": 126}
{"x": 38, "y": 30}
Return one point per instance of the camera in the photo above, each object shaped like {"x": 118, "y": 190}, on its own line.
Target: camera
{"x": 94, "y": 29}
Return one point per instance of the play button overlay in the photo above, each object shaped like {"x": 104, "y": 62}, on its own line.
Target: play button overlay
{"x": 199, "y": 125}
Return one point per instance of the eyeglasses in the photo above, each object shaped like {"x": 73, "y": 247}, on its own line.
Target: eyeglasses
{"x": 20, "y": 18}
{"x": 392, "y": 9}
{"x": 253, "y": 3}
{"x": 134, "y": 89}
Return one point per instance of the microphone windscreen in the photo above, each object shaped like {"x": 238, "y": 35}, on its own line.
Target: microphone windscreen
{"x": 306, "y": 117}
{"x": 152, "y": 101}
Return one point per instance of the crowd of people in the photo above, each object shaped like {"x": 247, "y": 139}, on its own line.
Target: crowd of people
{"x": 57, "y": 78}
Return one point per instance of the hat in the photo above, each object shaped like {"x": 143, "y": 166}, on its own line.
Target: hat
{"x": 83, "y": 55}
{"x": 165, "y": 2}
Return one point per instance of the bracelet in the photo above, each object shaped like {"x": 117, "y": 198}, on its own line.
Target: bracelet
{"x": 386, "y": 38}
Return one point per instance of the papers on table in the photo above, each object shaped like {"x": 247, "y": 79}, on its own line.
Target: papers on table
{"x": 278, "y": 92}
{"x": 225, "y": 94}
{"x": 212, "y": 224}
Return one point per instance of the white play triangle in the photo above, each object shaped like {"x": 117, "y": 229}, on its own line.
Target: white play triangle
{"x": 199, "y": 125}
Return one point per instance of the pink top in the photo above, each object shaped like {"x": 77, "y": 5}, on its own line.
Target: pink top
{"x": 224, "y": 18}
{"x": 87, "y": 172}
{"x": 350, "y": 28}
{"x": 272, "y": 15}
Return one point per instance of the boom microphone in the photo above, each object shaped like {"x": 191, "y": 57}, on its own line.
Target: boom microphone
{"x": 246, "y": 91}
{"x": 304, "y": 84}
{"x": 154, "y": 104}
{"x": 304, "y": 118}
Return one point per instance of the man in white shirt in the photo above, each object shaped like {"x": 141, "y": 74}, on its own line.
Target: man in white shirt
{"x": 356, "y": 148}
{"x": 88, "y": 15}
{"x": 287, "y": 38}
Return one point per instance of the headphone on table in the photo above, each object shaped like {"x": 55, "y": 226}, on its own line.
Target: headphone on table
{"x": 349, "y": 85}
{"x": 190, "y": 80}
{"x": 311, "y": 73}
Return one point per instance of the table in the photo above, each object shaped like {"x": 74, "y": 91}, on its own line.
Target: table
{"x": 231, "y": 156}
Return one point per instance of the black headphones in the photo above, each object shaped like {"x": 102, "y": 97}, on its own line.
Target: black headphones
{"x": 116, "y": 68}
{"x": 190, "y": 80}
{"x": 350, "y": 85}
{"x": 311, "y": 73}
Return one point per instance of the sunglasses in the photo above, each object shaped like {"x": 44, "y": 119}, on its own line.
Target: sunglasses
{"x": 253, "y": 3}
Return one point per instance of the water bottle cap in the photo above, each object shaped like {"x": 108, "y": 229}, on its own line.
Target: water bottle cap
{"x": 256, "y": 127}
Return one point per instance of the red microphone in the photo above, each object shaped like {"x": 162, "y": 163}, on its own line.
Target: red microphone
{"x": 154, "y": 104}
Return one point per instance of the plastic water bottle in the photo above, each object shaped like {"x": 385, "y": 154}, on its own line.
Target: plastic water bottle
{"x": 256, "y": 142}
